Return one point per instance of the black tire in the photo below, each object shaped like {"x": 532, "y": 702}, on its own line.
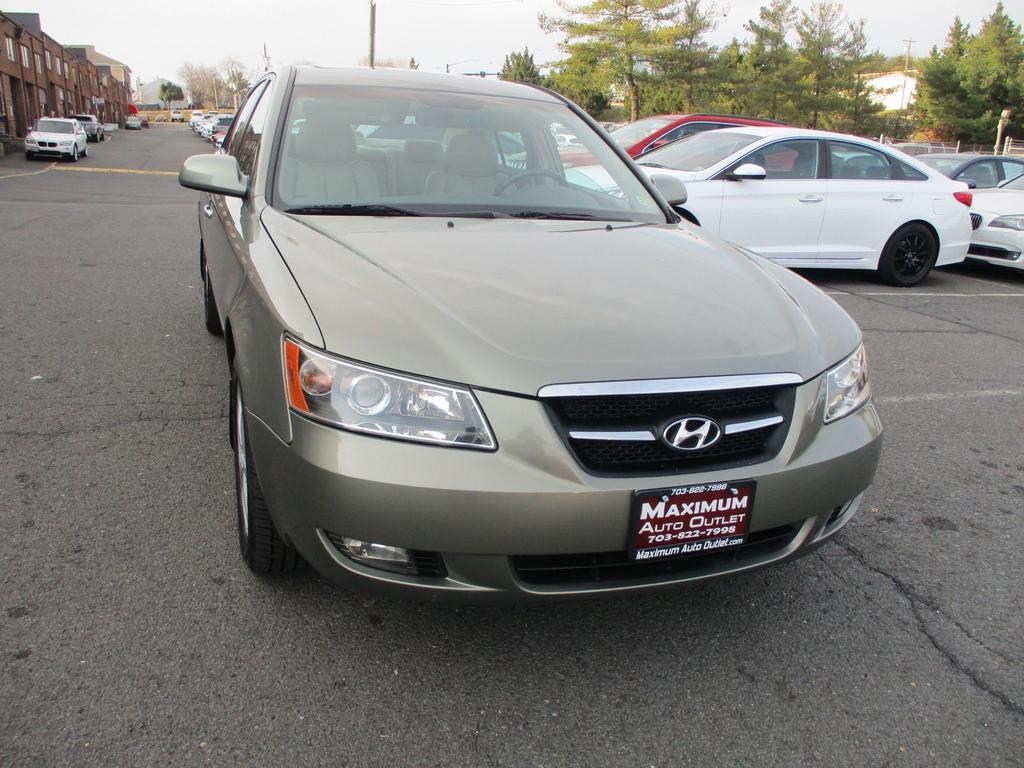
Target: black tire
{"x": 211, "y": 315}
{"x": 74, "y": 154}
{"x": 30, "y": 155}
{"x": 908, "y": 256}
{"x": 86, "y": 152}
{"x": 263, "y": 549}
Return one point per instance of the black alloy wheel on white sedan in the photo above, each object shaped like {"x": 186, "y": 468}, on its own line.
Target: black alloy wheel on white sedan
{"x": 909, "y": 256}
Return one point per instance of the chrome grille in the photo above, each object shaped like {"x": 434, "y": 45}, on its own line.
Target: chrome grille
{"x": 621, "y": 435}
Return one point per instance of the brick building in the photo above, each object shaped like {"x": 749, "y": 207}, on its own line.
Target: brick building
{"x": 40, "y": 77}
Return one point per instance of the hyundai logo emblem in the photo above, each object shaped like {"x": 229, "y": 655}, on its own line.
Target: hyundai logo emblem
{"x": 692, "y": 433}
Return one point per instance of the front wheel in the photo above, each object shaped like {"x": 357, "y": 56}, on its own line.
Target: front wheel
{"x": 74, "y": 154}
{"x": 85, "y": 152}
{"x": 30, "y": 155}
{"x": 263, "y": 549}
{"x": 908, "y": 256}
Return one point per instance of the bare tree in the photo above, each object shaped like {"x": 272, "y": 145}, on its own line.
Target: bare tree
{"x": 196, "y": 78}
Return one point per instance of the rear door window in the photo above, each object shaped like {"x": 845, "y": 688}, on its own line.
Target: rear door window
{"x": 852, "y": 161}
{"x": 983, "y": 174}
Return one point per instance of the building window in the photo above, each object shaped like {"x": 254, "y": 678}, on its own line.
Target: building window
{"x": 49, "y": 61}
{"x": 24, "y": 56}
{"x": 10, "y": 48}
{"x": 39, "y": 63}
{"x": 60, "y": 66}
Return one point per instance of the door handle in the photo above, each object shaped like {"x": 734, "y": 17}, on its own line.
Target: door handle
{"x": 893, "y": 199}
{"x": 208, "y": 210}
{"x": 811, "y": 199}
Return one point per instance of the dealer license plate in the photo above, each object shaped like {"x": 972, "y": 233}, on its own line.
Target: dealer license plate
{"x": 691, "y": 520}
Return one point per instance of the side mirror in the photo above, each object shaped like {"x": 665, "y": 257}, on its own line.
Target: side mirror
{"x": 971, "y": 183}
{"x": 748, "y": 172}
{"x": 218, "y": 174}
{"x": 670, "y": 187}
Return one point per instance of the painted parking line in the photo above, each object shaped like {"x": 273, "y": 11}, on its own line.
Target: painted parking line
{"x": 27, "y": 173}
{"x": 886, "y": 399}
{"x": 924, "y": 293}
{"x": 92, "y": 169}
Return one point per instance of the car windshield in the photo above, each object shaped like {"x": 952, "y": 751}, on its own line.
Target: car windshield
{"x": 699, "y": 151}
{"x": 628, "y": 135}
{"x": 396, "y": 151}
{"x": 944, "y": 165}
{"x": 54, "y": 126}
{"x": 83, "y": 118}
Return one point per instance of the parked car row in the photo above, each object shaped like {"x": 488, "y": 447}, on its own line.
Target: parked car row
{"x": 212, "y": 126}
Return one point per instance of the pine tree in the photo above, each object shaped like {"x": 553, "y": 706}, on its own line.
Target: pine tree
{"x": 520, "y": 68}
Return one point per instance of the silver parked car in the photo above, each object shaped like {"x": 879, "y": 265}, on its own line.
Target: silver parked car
{"x": 455, "y": 372}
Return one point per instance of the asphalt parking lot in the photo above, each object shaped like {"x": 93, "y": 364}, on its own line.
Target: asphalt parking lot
{"x": 131, "y": 633}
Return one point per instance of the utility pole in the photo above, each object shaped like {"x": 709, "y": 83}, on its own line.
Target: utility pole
{"x": 903, "y": 95}
{"x": 373, "y": 29}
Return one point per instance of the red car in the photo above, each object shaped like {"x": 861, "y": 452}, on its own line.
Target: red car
{"x": 144, "y": 119}
{"x": 653, "y": 132}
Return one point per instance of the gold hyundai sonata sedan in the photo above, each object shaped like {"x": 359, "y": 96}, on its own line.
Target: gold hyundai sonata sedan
{"x": 459, "y": 370}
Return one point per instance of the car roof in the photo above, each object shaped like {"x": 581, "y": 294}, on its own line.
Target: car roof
{"x": 770, "y": 131}
{"x": 955, "y": 155}
{"x": 410, "y": 78}
{"x": 59, "y": 119}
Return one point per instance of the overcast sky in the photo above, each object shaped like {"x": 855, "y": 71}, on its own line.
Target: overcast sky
{"x": 154, "y": 38}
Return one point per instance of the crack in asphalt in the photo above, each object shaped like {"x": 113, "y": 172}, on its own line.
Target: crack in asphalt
{"x": 165, "y": 421}
{"x": 917, "y": 311}
{"x": 916, "y": 600}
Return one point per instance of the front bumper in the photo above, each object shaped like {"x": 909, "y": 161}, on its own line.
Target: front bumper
{"x": 997, "y": 245}
{"x": 49, "y": 151}
{"x": 487, "y": 513}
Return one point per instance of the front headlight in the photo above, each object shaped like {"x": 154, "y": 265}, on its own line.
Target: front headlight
{"x": 65, "y": 143}
{"x": 1008, "y": 222}
{"x": 847, "y": 386}
{"x": 364, "y": 399}
{"x": 30, "y": 139}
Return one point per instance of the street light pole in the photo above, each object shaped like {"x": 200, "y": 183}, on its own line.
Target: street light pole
{"x": 1004, "y": 116}
{"x": 373, "y": 29}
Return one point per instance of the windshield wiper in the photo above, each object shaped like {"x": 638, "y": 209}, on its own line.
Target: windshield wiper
{"x": 562, "y": 215}
{"x": 349, "y": 209}
{"x": 379, "y": 209}
{"x": 654, "y": 165}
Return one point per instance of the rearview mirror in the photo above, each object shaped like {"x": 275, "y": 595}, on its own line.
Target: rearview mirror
{"x": 218, "y": 174}
{"x": 749, "y": 172}
{"x": 670, "y": 187}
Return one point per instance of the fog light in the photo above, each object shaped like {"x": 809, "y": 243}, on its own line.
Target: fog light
{"x": 396, "y": 559}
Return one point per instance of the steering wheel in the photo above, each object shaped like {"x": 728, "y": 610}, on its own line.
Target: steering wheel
{"x": 536, "y": 173}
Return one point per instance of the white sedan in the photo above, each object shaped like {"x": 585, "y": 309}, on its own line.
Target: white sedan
{"x": 998, "y": 219}
{"x": 807, "y": 198}
{"x": 60, "y": 137}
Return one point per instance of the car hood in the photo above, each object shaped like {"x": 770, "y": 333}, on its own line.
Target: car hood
{"x": 515, "y": 305}
{"x": 650, "y": 170}
{"x": 49, "y": 136}
{"x": 1002, "y": 202}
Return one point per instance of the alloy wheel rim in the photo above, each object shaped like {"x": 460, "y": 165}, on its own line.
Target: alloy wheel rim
{"x": 243, "y": 477}
{"x": 912, "y": 255}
